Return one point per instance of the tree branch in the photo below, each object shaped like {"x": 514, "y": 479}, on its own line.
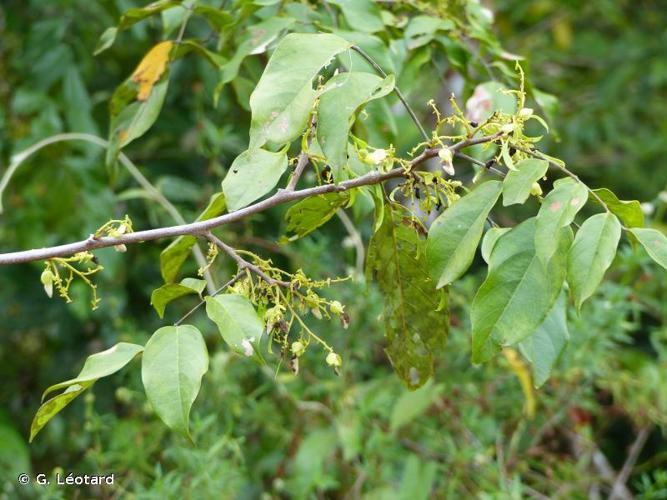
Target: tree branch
{"x": 242, "y": 263}
{"x": 152, "y": 191}
{"x": 399, "y": 94}
{"x": 201, "y": 228}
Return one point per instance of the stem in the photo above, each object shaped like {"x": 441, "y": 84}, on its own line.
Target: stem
{"x": 153, "y": 192}
{"x": 399, "y": 94}
{"x": 541, "y": 156}
{"x": 202, "y": 302}
{"x": 356, "y": 238}
{"x": 244, "y": 264}
{"x": 200, "y": 228}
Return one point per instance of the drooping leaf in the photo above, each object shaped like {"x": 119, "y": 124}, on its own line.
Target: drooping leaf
{"x": 52, "y": 407}
{"x": 654, "y": 242}
{"x": 131, "y": 17}
{"x": 416, "y": 324}
{"x": 174, "y": 362}
{"x": 283, "y": 99}
{"x": 557, "y": 210}
{"x": 630, "y": 212}
{"x": 362, "y": 15}
{"x": 591, "y": 255}
{"x": 101, "y": 364}
{"x": 518, "y": 292}
{"x": 518, "y": 182}
{"x": 422, "y": 29}
{"x": 309, "y": 214}
{"x": 455, "y": 234}
{"x": 171, "y": 291}
{"x": 237, "y": 320}
{"x": 344, "y": 94}
{"x": 543, "y": 347}
{"x": 253, "y": 174}
{"x": 490, "y": 239}
{"x": 172, "y": 257}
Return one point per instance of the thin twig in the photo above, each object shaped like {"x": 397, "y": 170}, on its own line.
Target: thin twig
{"x": 202, "y": 302}
{"x": 133, "y": 170}
{"x": 356, "y": 239}
{"x": 630, "y": 461}
{"x": 399, "y": 94}
{"x": 200, "y": 228}
{"x": 242, "y": 263}
{"x": 541, "y": 156}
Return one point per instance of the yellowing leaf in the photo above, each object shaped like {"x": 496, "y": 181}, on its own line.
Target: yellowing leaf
{"x": 151, "y": 68}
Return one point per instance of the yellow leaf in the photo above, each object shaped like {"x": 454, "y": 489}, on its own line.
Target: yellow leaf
{"x": 151, "y": 68}
{"x": 523, "y": 374}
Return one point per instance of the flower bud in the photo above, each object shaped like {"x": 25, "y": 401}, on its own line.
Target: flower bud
{"x": 336, "y": 308}
{"x": 47, "y": 280}
{"x": 525, "y": 112}
{"x": 297, "y": 348}
{"x": 536, "y": 189}
{"x": 334, "y": 360}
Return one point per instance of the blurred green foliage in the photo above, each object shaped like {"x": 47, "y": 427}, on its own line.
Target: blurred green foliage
{"x": 261, "y": 433}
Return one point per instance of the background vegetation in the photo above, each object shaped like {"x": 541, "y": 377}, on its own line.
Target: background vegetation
{"x": 317, "y": 435}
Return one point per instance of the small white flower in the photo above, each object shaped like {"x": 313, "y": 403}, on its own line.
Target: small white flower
{"x": 247, "y": 347}
{"x": 378, "y": 156}
{"x": 526, "y": 112}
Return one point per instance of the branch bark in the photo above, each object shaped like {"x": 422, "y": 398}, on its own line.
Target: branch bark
{"x": 201, "y": 228}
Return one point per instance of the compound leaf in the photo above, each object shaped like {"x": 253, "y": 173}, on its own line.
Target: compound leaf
{"x": 519, "y": 290}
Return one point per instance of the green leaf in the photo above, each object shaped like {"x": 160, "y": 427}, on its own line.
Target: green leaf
{"x": 130, "y": 18}
{"x": 309, "y": 214}
{"x": 591, "y": 254}
{"x": 53, "y": 406}
{"x": 416, "y": 324}
{"x": 412, "y": 404}
{"x": 490, "y": 239}
{"x": 362, "y": 15}
{"x": 630, "y": 212}
{"x": 135, "y": 120}
{"x": 101, "y": 364}
{"x": 171, "y": 291}
{"x": 174, "y": 362}
{"x": 283, "y": 99}
{"x": 543, "y": 348}
{"x": 455, "y": 234}
{"x": 237, "y": 320}
{"x": 253, "y": 174}
{"x": 519, "y": 182}
{"x": 172, "y": 257}
{"x": 518, "y": 292}
{"x": 344, "y": 94}
{"x": 557, "y": 210}
{"x": 654, "y": 242}
{"x": 422, "y": 29}
{"x": 255, "y": 41}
